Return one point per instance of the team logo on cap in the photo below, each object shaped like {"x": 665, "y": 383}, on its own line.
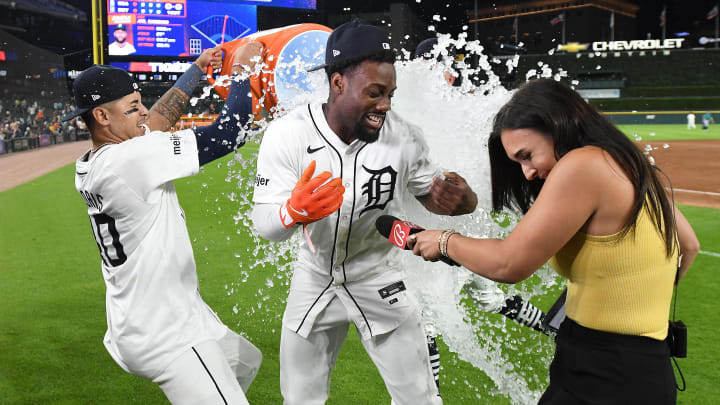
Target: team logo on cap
{"x": 135, "y": 86}
{"x": 94, "y": 97}
{"x": 386, "y": 45}
{"x": 336, "y": 52}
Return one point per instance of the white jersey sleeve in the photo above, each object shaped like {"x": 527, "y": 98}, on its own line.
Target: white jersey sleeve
{"x": 279, "y": 168}
{"x": 267, "y": 222}
{"x": 154, "y": 159}
{"x": 278, "y": 164}
{"x": 421, "y": 168}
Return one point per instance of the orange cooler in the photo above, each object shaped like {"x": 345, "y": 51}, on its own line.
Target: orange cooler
{"x": 294, "y": 49}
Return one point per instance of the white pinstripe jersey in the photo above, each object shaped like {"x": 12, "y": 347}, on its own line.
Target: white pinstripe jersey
{"x": 375, "y": 176}
{"x": 154, "y": 309}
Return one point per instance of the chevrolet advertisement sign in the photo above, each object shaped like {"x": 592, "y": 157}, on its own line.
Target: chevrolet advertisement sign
{"x": 617, "y": 46}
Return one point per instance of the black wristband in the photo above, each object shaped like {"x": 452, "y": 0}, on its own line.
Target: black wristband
{"x": 189, "y": 80}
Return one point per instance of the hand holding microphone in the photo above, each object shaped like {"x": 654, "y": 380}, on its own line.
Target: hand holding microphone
{"x": 403, "y": 234}
{"x": 311, "y": 200}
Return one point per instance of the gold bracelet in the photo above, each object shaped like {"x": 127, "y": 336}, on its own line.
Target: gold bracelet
{"x": 442, "y": 241}
{"x": 447, "y": 240}
{"x": 440, "y": 237}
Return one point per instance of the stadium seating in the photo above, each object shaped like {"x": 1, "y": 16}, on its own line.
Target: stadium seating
{"x": 648, "y": 80}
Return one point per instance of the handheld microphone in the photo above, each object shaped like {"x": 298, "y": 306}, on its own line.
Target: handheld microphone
{"x": 397, "y": 232}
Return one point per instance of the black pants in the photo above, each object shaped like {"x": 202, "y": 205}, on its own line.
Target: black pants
{"x": 594, "y": 367}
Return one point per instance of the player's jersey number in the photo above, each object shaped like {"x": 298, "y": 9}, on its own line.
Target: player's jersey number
{"x": 106, "y": 236}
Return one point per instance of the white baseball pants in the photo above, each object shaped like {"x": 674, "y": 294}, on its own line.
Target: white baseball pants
{"x": 212, "y": 372}
{"x": 401, "y": 356}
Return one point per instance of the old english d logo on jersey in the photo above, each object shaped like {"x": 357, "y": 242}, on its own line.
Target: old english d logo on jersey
{"x": 379, "y": 189}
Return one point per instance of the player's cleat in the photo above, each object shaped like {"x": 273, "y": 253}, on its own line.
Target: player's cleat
{"x": 524, "y": 313}
{"x": 434, "y": 359}
{"x": 485, "y": 294}
{"x": 489, "y": 298}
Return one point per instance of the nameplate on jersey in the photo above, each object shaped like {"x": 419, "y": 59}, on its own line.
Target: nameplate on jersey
{"x": 92, "y": 200}
{"x": 392, "y": 289}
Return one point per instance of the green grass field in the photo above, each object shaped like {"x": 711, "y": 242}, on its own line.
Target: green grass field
{"x": 52, "y": 313}
{"x": 669, "y": 132}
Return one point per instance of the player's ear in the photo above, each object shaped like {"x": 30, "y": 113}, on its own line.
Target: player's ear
{"x": 337, "y": 83}
{"x": 101, "y": 116}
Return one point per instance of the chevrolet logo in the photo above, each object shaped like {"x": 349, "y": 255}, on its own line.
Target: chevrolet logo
{"x": 573, "y": 47}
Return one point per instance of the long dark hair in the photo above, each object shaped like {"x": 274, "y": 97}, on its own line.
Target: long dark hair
{"x": 555, "y": 110}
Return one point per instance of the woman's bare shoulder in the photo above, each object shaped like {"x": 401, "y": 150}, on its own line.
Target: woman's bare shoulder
{"x": 591, "y": 166}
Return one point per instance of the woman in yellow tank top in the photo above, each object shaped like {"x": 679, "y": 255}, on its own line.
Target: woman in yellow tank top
{"x": 593, "y": 204}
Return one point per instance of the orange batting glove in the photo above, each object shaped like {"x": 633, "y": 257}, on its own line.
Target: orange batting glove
{"x": 311, "y": 200}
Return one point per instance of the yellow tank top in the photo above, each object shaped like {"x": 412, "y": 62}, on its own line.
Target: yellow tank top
{"x": 620, "y": 284}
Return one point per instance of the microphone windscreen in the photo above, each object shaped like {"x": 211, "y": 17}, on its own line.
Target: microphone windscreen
{"x": 384, "y": 224}
{"x": 396, "y": 230}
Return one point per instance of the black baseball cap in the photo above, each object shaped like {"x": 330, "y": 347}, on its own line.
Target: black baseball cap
{"x": 120, "y": 27}
{"x": 98, "y": 85}
{"x": 353, "y": 39}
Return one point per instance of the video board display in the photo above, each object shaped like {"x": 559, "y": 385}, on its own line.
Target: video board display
{"x": 182, "y": 27}
{"x": 307, "y": 4}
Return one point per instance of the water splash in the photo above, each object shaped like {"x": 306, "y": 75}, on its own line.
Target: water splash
{"x": 456, "y": 122}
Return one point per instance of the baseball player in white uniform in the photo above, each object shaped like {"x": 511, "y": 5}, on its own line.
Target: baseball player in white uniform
{"x": 344, "y": 272}
{"x": 159, "y": 327}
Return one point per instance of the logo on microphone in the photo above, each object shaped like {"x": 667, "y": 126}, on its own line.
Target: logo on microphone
{"x": 399, "y": 234}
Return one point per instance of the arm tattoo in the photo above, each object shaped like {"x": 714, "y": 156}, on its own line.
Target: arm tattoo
{"x": 167, "y": 111}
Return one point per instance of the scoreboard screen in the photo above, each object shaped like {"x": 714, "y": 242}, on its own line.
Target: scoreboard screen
{"x": 182, "y": 28}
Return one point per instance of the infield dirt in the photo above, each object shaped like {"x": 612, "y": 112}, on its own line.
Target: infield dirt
{"x": 693, "y": 167}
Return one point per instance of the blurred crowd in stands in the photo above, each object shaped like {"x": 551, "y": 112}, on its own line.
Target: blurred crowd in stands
{"x": 30, "y": 123}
